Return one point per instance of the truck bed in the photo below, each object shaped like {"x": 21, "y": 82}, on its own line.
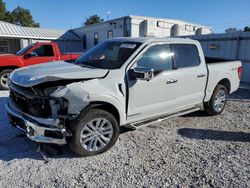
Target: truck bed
{"x": 216, "y": 60}
{"x": 70, "y": 56}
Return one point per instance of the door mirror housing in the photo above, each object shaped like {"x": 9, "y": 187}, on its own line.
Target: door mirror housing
{"x": 141, "y": 73}
{"x": 27, "y": 56}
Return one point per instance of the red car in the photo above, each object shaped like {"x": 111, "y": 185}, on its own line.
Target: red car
{"x": 33, "y": 54}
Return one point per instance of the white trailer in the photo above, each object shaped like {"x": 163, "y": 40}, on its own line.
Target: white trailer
{"x": 137, "y": 26}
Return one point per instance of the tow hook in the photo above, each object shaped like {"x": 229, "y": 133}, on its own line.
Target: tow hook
{"x": 65, "y": 133}
{"x": 30, "y": 131}
{"x": 49, "y": 150}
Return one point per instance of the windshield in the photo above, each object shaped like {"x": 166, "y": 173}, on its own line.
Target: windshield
{"x": 108, "y": 55}
{"x": 24, "y": 50}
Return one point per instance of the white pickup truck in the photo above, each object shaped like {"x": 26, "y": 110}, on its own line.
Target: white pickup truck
{"x": 120, "y": 82}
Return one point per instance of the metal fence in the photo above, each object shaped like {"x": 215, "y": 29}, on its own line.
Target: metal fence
{"x": 235, "y": 46}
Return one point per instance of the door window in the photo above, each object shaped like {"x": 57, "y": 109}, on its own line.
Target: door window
{"x": 185, "y": 55}
{"x": 44, "y": 51}
{"x": 158, "y": 57}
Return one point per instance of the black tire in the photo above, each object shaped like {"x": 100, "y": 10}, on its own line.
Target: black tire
{"x": 81, "y": 121}
{"x": 210, "y": 105}
{"x": 3, "y": 82}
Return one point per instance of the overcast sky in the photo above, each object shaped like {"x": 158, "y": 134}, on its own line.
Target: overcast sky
{"x": 66, "y": 14}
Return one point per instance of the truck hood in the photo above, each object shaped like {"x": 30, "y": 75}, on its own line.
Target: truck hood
{"x": 53, "y": 71}
{"x": 9, "y": 57}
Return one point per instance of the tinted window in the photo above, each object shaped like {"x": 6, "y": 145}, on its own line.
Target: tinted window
{"x": 185, "y": 55}
{"x": 157, "y": 57}
{"x": 43, "y": 51}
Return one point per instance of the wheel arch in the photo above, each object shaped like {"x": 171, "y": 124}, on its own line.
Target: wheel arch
{"x": 107, "y": 107}
{"x": 225, "y": 82}
{"x": 8, "y": 67}
{"x": 224, "y": 79}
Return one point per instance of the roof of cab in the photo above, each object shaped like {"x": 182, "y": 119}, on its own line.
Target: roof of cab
{"x": 151, "y": 39}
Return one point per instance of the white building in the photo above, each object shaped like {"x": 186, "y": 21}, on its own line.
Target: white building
{"x": 137, "y": 26}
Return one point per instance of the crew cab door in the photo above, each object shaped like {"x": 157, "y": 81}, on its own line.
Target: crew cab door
{"x": 192, "y": 75}
{"x": 41, "y": 54}
{"x": 157, "y": 96}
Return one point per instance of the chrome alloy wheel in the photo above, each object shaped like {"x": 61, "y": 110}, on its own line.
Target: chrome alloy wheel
{"x": 5, "y": 79}
{"x": 220, "y": 100}
{"x": 96, "y": 134}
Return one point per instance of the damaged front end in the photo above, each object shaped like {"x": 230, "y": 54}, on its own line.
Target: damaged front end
{"x": 43, "y": 111}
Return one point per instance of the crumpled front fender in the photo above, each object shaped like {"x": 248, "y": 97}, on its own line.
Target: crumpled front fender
{"x": 76, "y": 95}
{"x": 80, "y": 94}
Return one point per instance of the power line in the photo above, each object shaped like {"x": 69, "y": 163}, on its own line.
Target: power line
{"x": 234, "y": 22}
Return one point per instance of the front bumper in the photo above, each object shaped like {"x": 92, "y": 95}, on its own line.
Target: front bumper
{"x": 41, "y": 130}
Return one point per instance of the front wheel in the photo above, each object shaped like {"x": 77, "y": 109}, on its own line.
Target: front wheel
{"x": 218, "y": 101}
{"x": 93, "y": 133}
{"x": 4, "y": 79}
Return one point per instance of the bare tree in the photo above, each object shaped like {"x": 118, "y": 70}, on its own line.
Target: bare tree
{"x": 231, "y": 30}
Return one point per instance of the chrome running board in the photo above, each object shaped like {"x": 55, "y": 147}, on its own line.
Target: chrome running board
{"x": 151, "y": 121}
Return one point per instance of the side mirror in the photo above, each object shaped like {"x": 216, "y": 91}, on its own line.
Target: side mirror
{"x": 27, "y": 56}
{"x": 141, "y": 73}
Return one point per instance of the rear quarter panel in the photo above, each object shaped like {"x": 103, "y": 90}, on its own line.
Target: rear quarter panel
{"x": 219, "y": 71}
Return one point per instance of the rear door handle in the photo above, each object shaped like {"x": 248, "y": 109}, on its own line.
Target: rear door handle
{"x": 201, "y": 75}
{"x": 171, "y": 81}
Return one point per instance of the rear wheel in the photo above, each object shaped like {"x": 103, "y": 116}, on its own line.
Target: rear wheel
{"x": 4, "y": 79}
{"x": 94, "y": 132}
{"x": 218, "y": 101}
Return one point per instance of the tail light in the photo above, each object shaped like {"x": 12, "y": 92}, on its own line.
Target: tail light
{"x": 239, "y": 72}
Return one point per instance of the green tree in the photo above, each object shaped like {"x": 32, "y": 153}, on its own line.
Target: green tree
{"x": 93, "y": 20}
{"x": 19, "y": 16}
{"x": 231, "y": 30}
{"x": 23, "y": 17}
{"x": 247, "y": 29}
{"x": 9, "y": 17}
{"x": 2, "y": 10}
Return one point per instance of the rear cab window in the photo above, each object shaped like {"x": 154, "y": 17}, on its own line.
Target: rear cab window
{"x": 44, "y": 51}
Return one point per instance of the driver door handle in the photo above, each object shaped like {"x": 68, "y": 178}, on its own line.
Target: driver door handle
{"x": 172, "y": 81}
{"x": 201, "y": 75}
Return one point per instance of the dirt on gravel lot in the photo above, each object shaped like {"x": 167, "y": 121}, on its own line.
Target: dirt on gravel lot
{"x": 195, "y": 150}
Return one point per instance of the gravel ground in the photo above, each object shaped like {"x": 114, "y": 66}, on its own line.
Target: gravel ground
{"x": 190, "y": 151}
